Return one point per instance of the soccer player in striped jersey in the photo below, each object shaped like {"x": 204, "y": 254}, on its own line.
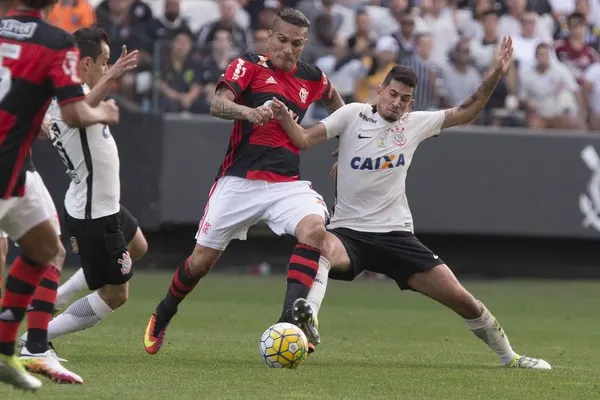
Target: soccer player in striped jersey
{"x": 259, "y": 179}
{"x": 38, "y": 62}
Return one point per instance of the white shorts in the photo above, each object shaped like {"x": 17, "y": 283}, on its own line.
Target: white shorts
{"x": 235, "y": 204}
{"x": 19, "y": 214}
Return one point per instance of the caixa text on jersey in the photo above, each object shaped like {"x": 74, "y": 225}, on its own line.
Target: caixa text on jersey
{"x": 383, "y": 162}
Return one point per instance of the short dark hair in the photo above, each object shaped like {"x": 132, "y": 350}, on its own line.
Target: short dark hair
{"x": 361, "y": 11}
{"x": 575, "y": 16}
{"x": 293, "y": 17}
{"x": 401, "y": 73}
{"x": 37, "y": 4}
{"x": 541, "y": 45}
{"x": 89, "y": 41}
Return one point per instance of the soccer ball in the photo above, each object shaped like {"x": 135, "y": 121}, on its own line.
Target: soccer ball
{"x": 283, "y": 345}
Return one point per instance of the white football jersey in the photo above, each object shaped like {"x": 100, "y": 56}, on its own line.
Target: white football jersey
{"x": 374, "y": 157}
{"x": 92, "y": 160}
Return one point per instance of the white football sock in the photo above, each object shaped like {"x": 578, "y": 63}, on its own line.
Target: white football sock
{"x": 488, "y": 329}
{"x": 84, "y": 313}
{"x": 70, "y": 288}
{"x": 317, "y": 291}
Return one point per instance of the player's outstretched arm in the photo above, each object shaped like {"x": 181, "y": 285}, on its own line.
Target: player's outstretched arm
{"x": 223, "y": 106}
{"x": 126, "y": 62}
{"x": 468, "y": 111}
{"x": 80, "y": 114}
{"x": 301, "y": 138}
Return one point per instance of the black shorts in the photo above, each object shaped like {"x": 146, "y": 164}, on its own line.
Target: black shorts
{"x": 102, "y": 247}
{"x": 398, "y": 255}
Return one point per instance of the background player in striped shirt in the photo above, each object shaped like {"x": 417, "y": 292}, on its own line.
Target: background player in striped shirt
{"x": 38, "y": 62}
{"x": 259, "y": 178}
{"x": 372, "y": 225}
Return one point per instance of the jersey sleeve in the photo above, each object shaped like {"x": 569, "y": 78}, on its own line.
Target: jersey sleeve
{"x": 64, "y": 76}
{"x": 428, "y": 123}
{"x": 237, "y": 76}
{"x": 336, "y": 123}
{"x": 325, "y": 87}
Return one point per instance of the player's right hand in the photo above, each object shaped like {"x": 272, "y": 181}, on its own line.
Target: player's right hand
{"x": 111, "y": 110}
{"x": 259, "y": 115}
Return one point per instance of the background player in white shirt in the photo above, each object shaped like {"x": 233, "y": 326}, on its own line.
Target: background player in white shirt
{"x": 92, "y": 204}
{"x": 371, "y": 227}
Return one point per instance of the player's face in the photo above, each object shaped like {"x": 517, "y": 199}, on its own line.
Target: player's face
{"x": 394, "y": 100}
{"x": 95, "y": 70}
{"x": 286, "y": 42}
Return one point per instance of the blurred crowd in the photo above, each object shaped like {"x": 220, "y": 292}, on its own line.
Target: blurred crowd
{"x": 554, "y": 81}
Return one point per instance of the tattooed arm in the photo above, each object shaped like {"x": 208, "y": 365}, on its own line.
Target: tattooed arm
{"x": 223, "y": 106}
{"x": 333, "y": 101}
{"x": 468, "y": 110}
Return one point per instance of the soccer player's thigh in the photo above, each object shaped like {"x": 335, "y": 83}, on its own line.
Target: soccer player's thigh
{"x": 28, "y": 221}
{"x": 345, "y": 250}
{"x": 289, "y": 203}
{"x": 134, "y": 237}
{"x": 234, "y": 205}
{"x": 402, "y": 257}
{"x": 48, "y": 204}
{"x": 102, "y": 250}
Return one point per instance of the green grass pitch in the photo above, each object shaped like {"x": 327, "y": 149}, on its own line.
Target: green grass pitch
{"x": 378, "y": 343}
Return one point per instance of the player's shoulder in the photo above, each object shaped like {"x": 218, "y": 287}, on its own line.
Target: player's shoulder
{"x": 54, "y": 37}
{"x": 308, "y": 72}
{"x": 31, "y": 30}
{"x": 352, "y": 112}
{"x": 362, "y": 110}
{"x": 253, "y": 58}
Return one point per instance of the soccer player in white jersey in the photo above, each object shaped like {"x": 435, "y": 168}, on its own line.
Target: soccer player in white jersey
{"x": 371, "y": 227}
{"x": 102, "y": 231}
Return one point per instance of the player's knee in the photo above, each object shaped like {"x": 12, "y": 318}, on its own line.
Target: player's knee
{"x": 46, "y": 250}
{"x": 59, "y": 258}
{"x": 330, "y": 249}
{"x": 138, "y": 247}
{"x": 311, "y": 231}
{"x": 114, "y": 297}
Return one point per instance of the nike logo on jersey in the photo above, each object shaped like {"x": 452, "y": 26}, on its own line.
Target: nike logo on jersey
{"x": 384, "y": 162}
{"x": 364, "y": 137}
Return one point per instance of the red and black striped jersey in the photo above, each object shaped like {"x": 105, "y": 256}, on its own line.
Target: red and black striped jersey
{"x": 37, "y": 62}
{"x": 266, "y": 152}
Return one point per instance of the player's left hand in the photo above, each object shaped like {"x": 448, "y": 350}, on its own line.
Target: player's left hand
{"x": 280, "y": 110}
{"x": 504, "y": 57}
{"x": 333, "y": 170}
{"x": 126, "y": 62}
